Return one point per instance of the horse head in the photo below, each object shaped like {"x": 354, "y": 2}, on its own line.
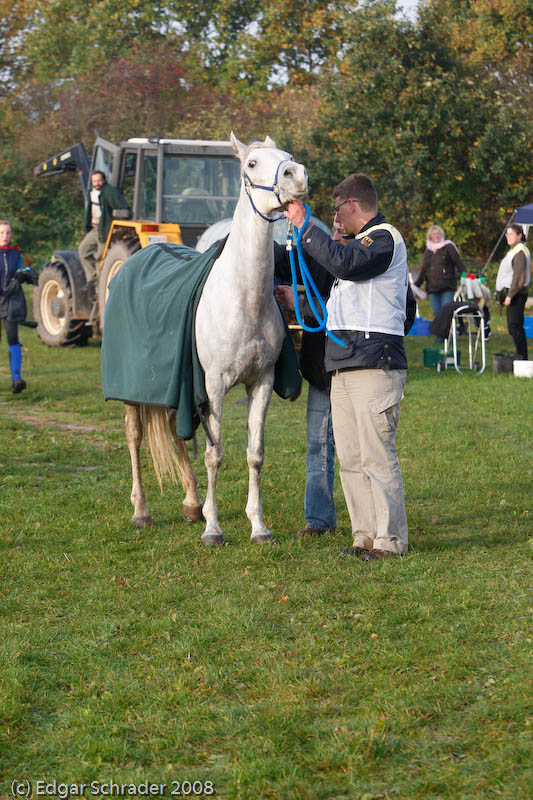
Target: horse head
{"x": 270, "y": 177}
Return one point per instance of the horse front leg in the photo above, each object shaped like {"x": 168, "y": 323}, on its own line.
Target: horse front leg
{"x": 134, "y": 435}
{"x": 258, "y": 400}
{"x": 214, "y": 453}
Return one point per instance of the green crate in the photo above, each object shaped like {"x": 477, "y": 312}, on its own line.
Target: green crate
{"x": 433, "y": 356}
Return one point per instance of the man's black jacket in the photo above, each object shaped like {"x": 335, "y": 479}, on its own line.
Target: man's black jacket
{"x": 313, "y": 344}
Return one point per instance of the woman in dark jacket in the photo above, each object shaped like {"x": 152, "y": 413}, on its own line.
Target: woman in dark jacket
{"x": 441, "y": 269}
{"x": 12, "y": 303}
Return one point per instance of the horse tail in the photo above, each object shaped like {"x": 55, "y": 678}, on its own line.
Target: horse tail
{"x": 154, "y": 420}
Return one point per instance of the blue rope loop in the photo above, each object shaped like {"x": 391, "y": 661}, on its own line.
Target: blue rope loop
{"x": 309, "y": 285}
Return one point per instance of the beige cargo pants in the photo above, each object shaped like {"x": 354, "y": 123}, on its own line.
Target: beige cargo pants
{"x": 365, "y": 405}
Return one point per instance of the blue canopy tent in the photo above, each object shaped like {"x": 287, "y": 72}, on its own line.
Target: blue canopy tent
{"x": 523, "y": 215}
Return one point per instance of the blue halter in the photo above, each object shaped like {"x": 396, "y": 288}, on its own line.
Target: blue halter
{"x": 274, "y": 188}
{"x": 309, "y": 284}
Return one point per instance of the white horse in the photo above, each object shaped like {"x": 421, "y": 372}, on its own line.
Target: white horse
{"x": 239, "y": 333}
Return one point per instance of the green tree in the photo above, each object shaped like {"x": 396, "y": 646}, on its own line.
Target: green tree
{"x": 495, "y": 35}
{"x": 494, "y": 41}
{"x": 282, "y": 42}
{"x": 68, "y": 37}
{"x": 147, "y": 92}
{"x": 15, "y": 15}
{"x": 44, "y": 214}
{"x": 405, "y": 106}
{"x": 236, "y": 43}
{"x": 438, "y": 111}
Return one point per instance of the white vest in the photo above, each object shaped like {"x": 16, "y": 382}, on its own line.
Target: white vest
{"x": 504, "y": 278}
{"x": 376, "y": 305}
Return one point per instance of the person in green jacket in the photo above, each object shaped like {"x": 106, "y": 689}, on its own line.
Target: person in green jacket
{"x": 102, "y": 200}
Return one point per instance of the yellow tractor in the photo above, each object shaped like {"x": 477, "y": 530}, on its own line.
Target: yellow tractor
{"x": 176, "y": 189}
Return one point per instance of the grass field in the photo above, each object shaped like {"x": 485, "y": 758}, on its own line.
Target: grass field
{"x": 264, "y": 672}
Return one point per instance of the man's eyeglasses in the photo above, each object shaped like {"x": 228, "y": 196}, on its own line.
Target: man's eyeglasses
{"x": 335, "y": 209}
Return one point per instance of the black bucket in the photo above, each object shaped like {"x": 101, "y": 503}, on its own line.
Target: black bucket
{"x": 502, "y": 363}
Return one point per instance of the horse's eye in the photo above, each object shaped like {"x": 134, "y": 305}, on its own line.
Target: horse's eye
{"x": 252, "y": 164}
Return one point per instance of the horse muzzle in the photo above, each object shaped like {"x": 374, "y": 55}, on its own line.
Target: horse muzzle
{"x": 293, "y": 183}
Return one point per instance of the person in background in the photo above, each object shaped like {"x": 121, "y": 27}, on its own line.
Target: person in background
{"x": 102, "y": 200}
{"x": 12, "y": 303}
{"x": 441, "y": 269}
{"x": 367, "y": 311}
{"x": 514, "y": 276}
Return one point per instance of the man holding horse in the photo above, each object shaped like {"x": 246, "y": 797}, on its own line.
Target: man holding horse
{"x": 367, "y": 311}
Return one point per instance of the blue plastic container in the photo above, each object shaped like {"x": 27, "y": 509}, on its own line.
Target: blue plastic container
{"x": 420, "y": 327}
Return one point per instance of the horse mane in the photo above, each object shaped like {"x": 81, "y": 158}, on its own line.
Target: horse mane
{"x": 255, "y": 145}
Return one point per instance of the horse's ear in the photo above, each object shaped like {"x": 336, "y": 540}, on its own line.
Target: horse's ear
{"x": 238, "y": 147}
{"x": 270, "y": 142}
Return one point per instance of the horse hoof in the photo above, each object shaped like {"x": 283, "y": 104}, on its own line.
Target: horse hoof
{"x": 142, "y": 522}
{"x": 213, "y": 539}
{"x": 262, "y": 538}
{"x": 193, "y": 513}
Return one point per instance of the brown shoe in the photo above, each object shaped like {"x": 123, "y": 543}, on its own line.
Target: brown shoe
{"x": 353, "y": 551}
{"x": 375, "y": 555}
{"x": 310, "y": 531}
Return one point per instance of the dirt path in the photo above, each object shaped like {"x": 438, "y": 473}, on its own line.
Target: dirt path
{"x": 44, "y": 420}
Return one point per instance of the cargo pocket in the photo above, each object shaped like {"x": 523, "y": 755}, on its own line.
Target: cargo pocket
{"x": 386, "y": 412}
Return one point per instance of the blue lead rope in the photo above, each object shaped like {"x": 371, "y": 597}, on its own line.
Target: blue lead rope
{"x": 309, "y": 284}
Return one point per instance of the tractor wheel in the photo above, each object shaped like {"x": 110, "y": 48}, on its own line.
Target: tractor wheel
{"x": 115, "y": 258}
{"x": 52, "y": 310}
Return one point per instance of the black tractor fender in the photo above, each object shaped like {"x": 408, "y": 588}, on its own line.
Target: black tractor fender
{"x": 83, "y": 293}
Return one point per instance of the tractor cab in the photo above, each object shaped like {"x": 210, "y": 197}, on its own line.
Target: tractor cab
{"x": 175, "y": 188}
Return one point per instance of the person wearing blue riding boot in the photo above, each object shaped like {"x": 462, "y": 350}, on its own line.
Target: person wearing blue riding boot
{"x": 12, "y": 303}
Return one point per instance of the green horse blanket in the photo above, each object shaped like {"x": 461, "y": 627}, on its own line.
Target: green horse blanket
{"x": 148, "y": 348}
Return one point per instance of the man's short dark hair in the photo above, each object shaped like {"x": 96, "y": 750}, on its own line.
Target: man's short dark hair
{"x": 98, "y": 172}
{"x": 358, "y": 187}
